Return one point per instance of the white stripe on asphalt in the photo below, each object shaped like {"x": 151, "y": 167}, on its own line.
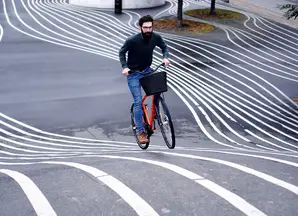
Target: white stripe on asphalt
{"x": 261, "y": 175}
{"x": 1, "y": 32}
{"x": 39, "y": 202}
{"x": 232, "y": 198}
{"x": 248, "y": 155}
{"x": 61, "y": 136}
{"x": 141, "y": 207}
{"x": 79, "y": 147}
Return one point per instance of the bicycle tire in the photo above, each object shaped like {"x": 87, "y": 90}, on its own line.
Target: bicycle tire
{"x": 134, "y": 130}
{"x": 170, "y": 142}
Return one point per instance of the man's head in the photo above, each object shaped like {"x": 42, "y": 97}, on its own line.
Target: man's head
{"x": 146, "y": 26}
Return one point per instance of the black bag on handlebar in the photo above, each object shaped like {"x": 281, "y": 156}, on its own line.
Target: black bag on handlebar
{"x": 154, "y": 83}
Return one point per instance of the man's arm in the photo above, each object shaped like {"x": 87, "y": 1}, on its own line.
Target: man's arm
{"x": 122, "y": 53}
{"x": 165, "y": 50}
{"x": 164, "y": 47}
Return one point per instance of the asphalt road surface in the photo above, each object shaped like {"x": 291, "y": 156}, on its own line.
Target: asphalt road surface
{"x": 66, "y": 141}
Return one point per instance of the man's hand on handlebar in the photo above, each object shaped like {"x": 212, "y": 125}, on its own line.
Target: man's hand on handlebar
{"x": 125, "y": 72}
{"x": 166, "y": 62}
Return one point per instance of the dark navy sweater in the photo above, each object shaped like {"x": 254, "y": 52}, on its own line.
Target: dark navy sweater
{"x": 140, "y": 51}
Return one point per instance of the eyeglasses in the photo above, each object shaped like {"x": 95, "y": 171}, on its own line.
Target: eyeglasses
{"x": 147, "y": 27}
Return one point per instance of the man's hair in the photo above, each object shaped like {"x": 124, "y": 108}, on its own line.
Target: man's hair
{"x": 144, "y": 19}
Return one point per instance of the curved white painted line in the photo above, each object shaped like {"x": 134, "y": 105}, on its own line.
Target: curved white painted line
{"x": 272, "y": 33}
{"x": 235, "y": 200}
{"x": 206, "y": 89}
{"x": 55, "y": 150}
{"x": 240, "y": 74}
{"x": 140, "y": 206}
{"x": 196, "y": 116}
{"x": 58, "y": 135}
{"x": 25, "y": 150}
{"x": 232, "y": 198}
{"x": 194, "y": 90}
{"x": 4, "y": 3}
{"x": 272, "y": 73}
{"x": 266, "y": 53}
{"x": 64, "y": 44}
{"x": 265, "y": 38}
{"x": 49, "y": 13}
{"x": 283, "y": 103}
{"x": 44, "y": 156}
{"x": 180, "y": 83}
{"x": 227, "y": 83}
{"x": 1, "y": 32}
{"x": 70, "y": 143}
{"x": 247, "y": 131}
{"x": 258, "y": 56}
{"x": 214, "y": 91}
{"x": 245, "y": 111}
{"x": 276, "y": 42}
{"x": 276, "y": 138}
{"x": 110, "y": 22}
{"x": 98, "y": 46}
{"x": 283, "y": 30}
{"x": 267, "y": 141}
{"x": 101, "y": 17}
{"x": 39, "y": 202}
{"x": 164, "y": 11}
{"x": 135, "y": 25}
{"x": 249, "y": 155}
{"x": 73, "y": 15}
{"x": 75, "y": 147}
{"x": 266, "y": 177}
{"x": 105, "y": 144}
{"x": 262, "y": 138}
{"x": 247, "y": 101}
{"x": 221, "y": 49}
{"x": 261, "y": 153}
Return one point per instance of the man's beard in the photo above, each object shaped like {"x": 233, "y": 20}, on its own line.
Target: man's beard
{"x": 147, "y": 35}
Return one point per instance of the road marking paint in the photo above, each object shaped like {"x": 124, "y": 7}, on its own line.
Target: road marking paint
{"x": 232, "y": 198}
{"x": 78, "y": 147}
{"x": 251, "y": 171}
{"x": 139, "y": 205}
{"x": 61, "y": 136}
{"x": 1, "y": 32}
{"x": 39, "y": 202}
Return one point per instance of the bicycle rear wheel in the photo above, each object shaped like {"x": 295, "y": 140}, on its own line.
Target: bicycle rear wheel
{"x": 165, "y": 123}
{"x": 134, "y": 129}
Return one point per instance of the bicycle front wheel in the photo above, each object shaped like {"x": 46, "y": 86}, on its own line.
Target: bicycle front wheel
{"x": 165, "y": 123}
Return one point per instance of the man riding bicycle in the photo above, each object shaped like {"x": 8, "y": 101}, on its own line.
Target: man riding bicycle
{"x": 140, "y": 52}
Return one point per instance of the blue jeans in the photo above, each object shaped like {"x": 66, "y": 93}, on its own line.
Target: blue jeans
{"x": 136, "y": 91}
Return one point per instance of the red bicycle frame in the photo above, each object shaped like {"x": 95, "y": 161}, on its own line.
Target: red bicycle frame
{"x": 152, "y": 112}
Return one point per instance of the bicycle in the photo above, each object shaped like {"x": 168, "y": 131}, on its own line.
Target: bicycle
{"x": 159, "y": 111}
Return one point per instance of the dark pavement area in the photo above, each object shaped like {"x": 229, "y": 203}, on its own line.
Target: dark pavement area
{"x": 65, "y": 121}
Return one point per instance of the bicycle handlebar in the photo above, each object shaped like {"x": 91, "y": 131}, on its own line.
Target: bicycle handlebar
{"x": 133, "y": 71}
